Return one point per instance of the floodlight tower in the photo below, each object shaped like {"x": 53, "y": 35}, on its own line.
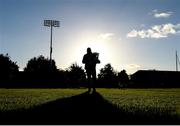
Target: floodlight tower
{"x": 51, "y": 24}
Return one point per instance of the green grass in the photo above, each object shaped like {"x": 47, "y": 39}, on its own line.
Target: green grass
{"x": 148, "y": 102}
{"x": 135, "y": 101}
{"x": 13, "y": 99}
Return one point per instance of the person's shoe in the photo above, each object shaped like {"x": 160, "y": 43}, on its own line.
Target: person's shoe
{"x": 94, "y": 91}
{"x": 89, "y": 91}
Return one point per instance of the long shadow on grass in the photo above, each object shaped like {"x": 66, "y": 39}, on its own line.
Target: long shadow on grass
{"x": 84, "y": 108}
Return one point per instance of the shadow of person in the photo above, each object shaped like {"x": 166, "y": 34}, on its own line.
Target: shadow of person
{"x": 84, "y": 108}
{"x": 80, "y": 109}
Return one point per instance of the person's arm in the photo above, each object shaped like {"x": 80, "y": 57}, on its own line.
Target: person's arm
{"x": 84, "y": 59}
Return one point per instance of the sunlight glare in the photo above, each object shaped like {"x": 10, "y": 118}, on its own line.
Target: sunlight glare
{"x": 97, "y": 44}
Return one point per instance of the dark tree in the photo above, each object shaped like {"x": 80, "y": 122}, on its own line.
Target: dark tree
{"x": 8, "y": 68}
{"x": 107, "y": 76}
{"x": 61, "y": 78}
{"x": 123, "y": 78}
{"x": 40, "y": 72}
{"x": 40, "y": 64}
{"x": 76, "y": 75}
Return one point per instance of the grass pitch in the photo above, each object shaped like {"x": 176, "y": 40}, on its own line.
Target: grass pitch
{"x": 13, "y": 99}
{"x": 150, "y": 103}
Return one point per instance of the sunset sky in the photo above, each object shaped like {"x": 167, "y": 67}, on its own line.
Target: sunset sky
{"x": 129, "y": 34}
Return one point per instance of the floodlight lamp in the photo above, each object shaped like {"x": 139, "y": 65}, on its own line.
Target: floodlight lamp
{"x": 55, "y": 23}
{"x": 47, "y": 23}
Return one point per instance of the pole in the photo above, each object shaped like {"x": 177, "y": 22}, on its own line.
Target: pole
{"x": 51, "y": 48}
{"x": 176, "y": 61}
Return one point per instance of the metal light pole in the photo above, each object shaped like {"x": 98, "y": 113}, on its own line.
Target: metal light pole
{"x": 51, "y": 24}
{"x": 176, "y": 61}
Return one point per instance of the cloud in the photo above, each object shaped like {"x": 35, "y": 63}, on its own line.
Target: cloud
{"x": 158, "y": 14}
{"x": 106, "y": 36}
{"x": 132, "y": 34}
{"x": 156, "y": 31}
{"x": 142, "y": 25}
{"x": 132, "y": 66}
{"x": 162, "y": 15}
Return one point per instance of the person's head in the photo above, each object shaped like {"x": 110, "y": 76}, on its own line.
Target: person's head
{"x": 89, "y": 50}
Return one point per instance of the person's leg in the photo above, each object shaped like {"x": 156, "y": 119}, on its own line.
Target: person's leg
{"x": 89, "y": 80}
{"x": 94, "y": 80}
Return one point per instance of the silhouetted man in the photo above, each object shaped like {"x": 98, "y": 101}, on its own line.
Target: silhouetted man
{"x": 90, "y": 60}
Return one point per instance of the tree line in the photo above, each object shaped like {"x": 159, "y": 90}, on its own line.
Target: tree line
{"x": 40, "y": 72}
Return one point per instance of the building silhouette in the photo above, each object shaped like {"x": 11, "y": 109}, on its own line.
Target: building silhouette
{"x": 155, "y": 78}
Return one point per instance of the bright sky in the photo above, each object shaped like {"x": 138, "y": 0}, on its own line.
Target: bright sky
{"x": 129, "y": 34}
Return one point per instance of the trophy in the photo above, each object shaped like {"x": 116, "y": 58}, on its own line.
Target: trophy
{"x": 96, "y": 57}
